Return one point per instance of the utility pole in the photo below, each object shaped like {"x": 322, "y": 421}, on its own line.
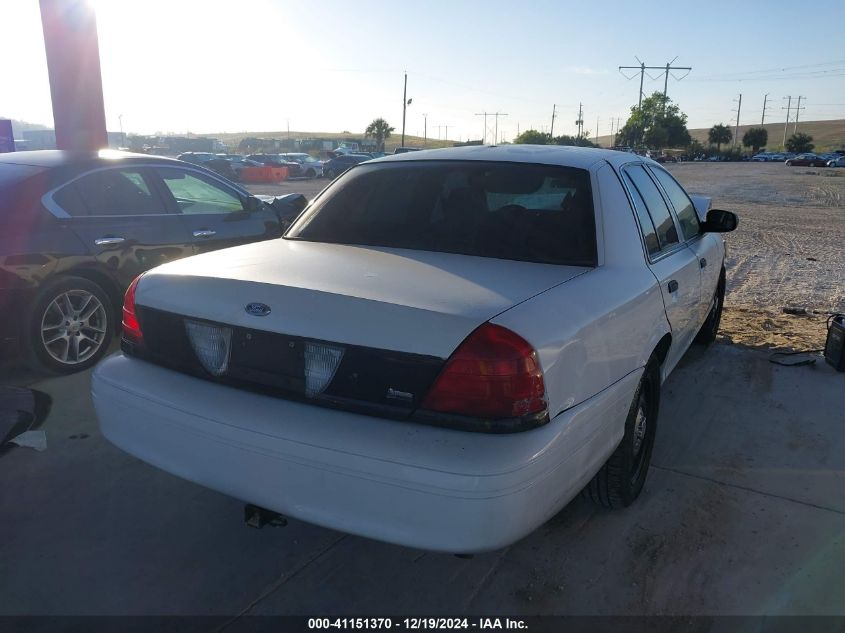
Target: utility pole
{"x": 786, "y": 124}
{"x": 497, "y": 115}
{"x": 763, "y": 118}
{"x": 597, "y": 131}
{"x": 580, "y": 121}
{"x": 484, "y": 134}
{"x": 738, "y": 109}
{"x": 642, "y": 68}
{"x": 425, "y": 129}
{"x": 404, "y": 107}
{"x": 798, "y": 109}
{"x": 552, "y": 133}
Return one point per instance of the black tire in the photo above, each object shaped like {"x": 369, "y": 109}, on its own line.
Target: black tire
{"x": 710, "y": 328}
{"x": 621, "y": 479}
{"x": 310, "y": 174}
{"x": 78, "y": 314}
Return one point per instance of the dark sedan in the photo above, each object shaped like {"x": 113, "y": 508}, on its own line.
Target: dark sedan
{"x": 806, "y": 160}
{"x": 76, "y": 228}
{"x": 336, "y": 166}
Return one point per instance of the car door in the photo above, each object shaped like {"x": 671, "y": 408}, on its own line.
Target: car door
{"x": 120, "y": 216}
{"x": 706, "y": 246}
{"x": 674, "y": 265}
{"x": 214, "y": 213}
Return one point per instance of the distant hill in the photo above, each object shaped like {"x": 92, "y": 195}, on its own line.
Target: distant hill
{"x": 827, "y": 135}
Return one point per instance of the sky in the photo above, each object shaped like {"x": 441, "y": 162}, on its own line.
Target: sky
{"x": 206, "y": 66}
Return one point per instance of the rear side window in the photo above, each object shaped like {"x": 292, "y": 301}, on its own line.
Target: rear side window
{"x": 684, "y": 209}
{"x": 110, "y": 192}
{"x": 646, "y": 225}
{"x": 657, "y": 208}
{"x": 535, "y": 213}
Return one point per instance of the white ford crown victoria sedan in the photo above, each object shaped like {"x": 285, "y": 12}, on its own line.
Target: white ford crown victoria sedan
{"x": 444, "y": 349}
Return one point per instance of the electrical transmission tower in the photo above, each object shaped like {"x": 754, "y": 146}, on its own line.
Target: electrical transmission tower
{"x": 496, "y": 116}
{"x": 643, "y": 68}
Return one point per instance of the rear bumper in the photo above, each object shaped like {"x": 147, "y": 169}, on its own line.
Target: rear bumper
{"x": 400, "y": 482}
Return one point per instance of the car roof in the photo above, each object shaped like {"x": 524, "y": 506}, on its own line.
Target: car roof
{"x": 54, "y": 158}
{"x": 566, "y": 156}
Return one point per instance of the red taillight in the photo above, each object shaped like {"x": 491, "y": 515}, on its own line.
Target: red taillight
{"x": 131, "y": 327}
{"x": 493, "y": 374}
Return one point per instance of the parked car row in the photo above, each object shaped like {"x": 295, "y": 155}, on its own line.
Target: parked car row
{"x": 805, "y": 159}
{"x": 299, "y": 164}
{"x": 772, "y": 157}
{"x": 75, "y": 229}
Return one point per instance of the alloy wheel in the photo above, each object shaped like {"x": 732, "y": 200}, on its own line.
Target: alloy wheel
{"x": 73, "y": 327}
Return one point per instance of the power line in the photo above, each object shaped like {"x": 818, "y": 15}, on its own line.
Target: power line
{"x": 642, "y": 68}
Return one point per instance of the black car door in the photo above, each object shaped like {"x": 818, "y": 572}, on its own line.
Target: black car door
{"x": 214, "y": 213}
{"x": 122, "y": 219}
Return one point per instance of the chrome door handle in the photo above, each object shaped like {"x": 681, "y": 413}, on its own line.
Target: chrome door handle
{"x": 205, "y": 233}
{"x": 108, "y": 241}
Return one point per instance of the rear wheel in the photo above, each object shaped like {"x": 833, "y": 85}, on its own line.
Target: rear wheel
{"x": 70, "y": 325}
{"x": 621, "y": 479}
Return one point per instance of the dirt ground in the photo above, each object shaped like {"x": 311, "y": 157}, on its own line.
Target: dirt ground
{"x": 788, "y": 252}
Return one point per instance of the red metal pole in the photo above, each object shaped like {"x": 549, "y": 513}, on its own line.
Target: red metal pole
{"x": 73, "y": 64}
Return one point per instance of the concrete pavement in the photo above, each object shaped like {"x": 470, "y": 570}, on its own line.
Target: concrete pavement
{"x": 743, "y": 513}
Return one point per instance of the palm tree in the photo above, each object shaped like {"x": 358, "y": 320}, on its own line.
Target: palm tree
{"x": 379, "y": 130}
{"x": 719, "y": 134}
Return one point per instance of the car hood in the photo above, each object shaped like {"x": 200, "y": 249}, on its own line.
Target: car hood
{"x": 404, "y": 300}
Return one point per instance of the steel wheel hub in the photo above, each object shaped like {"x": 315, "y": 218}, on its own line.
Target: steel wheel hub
{"x": 640, "y": 428}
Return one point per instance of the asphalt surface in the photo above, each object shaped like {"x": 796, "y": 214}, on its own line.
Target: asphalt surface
{"x": 742, "y": 513}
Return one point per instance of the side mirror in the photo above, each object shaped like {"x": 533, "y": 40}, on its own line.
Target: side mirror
{"x": 288, "y": 208}
{"x": 253, "y": 204}
{"x": 719, "y": 221}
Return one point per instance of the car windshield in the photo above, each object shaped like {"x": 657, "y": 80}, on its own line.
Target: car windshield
{"x": 525, "y": 212}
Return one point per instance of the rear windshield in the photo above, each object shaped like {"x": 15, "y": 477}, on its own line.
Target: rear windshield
{"x": 534, "y": 213}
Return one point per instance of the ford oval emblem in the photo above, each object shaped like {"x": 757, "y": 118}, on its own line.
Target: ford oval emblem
{"x": 257, "y": 309}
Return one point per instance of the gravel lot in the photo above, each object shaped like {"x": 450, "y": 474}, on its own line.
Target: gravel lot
{"x": 789, "y": 249}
